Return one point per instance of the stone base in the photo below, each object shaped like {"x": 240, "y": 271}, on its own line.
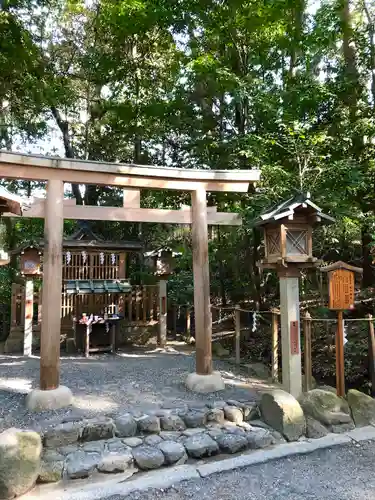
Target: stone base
{"x": 38, "y": 400}
{"x": 205, "y": 383}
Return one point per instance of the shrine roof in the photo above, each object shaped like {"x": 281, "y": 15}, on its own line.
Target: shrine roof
{"x": 81, "y": 287}
{"x": 10, "y": 202}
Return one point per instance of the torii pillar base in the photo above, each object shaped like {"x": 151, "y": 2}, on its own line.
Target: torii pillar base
{"x": 54, "y": 399}
{"x": 204, "y": 384}
{"x": 290, "y": 331}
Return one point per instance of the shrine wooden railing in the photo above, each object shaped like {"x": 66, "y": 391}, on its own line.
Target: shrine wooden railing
{"x": 140, "y": 306}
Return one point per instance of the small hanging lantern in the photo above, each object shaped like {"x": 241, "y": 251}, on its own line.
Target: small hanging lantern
{"x": 30, "y": 260}
{"x": 162, "y": 261}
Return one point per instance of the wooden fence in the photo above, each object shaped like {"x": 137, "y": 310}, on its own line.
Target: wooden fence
{"x": 139, "y": 306}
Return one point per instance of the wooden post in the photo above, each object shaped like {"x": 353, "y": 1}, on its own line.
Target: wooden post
{"x": 307, "y": 352}
{"x": 371, "y": 351}
{"x": 275, "y": 347}
{"x": 290, "y": 332}
{"x": 13, "y": 310}
{"x": 29, "y": 313}
{"x": 52, "y": 285}
{"x": 340, "y": 369}
{"x": 203, "y": 321}
{"x": 162, "y": 340}
{"x": 237, "y": 326}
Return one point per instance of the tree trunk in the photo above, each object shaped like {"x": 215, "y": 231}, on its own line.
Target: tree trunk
{"x": 69, "y": 152}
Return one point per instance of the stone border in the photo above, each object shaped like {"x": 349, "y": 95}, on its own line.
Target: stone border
{"x": 163, "y": 479}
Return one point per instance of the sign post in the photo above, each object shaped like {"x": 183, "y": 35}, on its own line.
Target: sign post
{"x": 341, "y": 298}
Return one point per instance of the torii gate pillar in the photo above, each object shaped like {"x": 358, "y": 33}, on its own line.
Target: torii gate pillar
{"x": 204, "y": 380}
{"x": 51, "y": 394}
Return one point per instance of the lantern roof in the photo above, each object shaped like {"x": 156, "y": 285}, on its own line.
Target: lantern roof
{"x": 10, "y": 202}
{"x": 288, "y": 207}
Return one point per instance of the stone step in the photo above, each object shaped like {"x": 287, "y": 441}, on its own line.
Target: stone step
{"x": 79, "y": 448}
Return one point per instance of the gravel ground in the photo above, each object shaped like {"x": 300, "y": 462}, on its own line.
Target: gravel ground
{"x": 106, "y": 385}
{"x": 341, "y": 473}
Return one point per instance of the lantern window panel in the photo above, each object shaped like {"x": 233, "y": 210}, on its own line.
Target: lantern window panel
{"x": 273, "y": 242}
{"x": 297, "y": 242}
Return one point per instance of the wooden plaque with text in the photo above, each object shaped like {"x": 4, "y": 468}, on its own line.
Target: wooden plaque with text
{"x": 341, "y": 290}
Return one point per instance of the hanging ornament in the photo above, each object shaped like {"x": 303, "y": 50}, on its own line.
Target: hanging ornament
{"x": 68, "y": 257}
{"x": 255, "y": 318}
{"x": 101, "y": 258}
{"x": 84, "y": 256}
{"x": 113, "y": 259}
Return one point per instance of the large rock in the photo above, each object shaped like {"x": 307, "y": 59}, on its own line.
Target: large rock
{"x": 126, "y": 426}
{"x": 20, "y": 458}
{"x": 133, "y": 442}
{"x": 98, "y": 428}
{"x": 362, "y": 408}
{"x": 172, "y": 423}
{"x": 233, "y": 414}
{"x": 62, "y": 434}
{"x": 149, "y": 423}
{"x": 314, "y": 428}
{"x": 173, "y": 452}
{"x": 50, "y": 472}
{"x": 215, "y": 416}
{"x": 80, "y": 464}
{"x": 147, "y": 457}
{"x": 283, "y": 413}
{"x": 170, "y": 435}
{"x": 326, "y": 407}
{"x": 153, "y": 440}
{"x": 195, "y": 418}
{"x": 201, "y": 445}
{"x": 113, "y": 462}
{"x": 259, "y": 438}
{"x": 232, "y": 443}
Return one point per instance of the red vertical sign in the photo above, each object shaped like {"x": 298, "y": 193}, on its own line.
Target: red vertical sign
{"x": 294, "y": 337}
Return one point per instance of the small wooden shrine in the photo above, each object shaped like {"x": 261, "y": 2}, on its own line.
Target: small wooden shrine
{"x": 95, "y": 287}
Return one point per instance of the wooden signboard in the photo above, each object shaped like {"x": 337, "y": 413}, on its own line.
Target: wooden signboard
{"x": 341, "y": 298}
{"x": 341, "y": 290}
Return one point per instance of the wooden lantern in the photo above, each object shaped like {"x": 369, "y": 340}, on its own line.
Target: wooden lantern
{"x": 30, "y": 261}
{"x": 288, "y": 232}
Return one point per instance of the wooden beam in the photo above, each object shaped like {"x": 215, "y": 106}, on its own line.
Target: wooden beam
{"x": 28, "y": 167}
{"x": 202, "y": 309}
{"x": 119, "y": 214}
{"x": 105, "y": 179}
{"x": 52, "y": 285}
{"x": 131, "y": 169}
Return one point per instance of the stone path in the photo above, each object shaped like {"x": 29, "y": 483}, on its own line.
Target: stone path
{"x": 137, "y": 381}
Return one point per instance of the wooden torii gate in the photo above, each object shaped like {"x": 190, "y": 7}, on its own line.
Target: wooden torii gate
{"x": 54, "y": 209}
